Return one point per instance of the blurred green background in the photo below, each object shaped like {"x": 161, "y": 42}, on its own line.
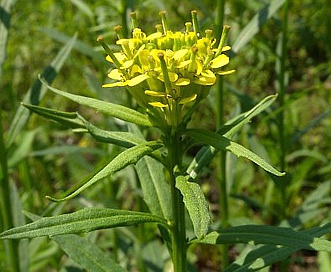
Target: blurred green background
{"x": 47, "y": 159}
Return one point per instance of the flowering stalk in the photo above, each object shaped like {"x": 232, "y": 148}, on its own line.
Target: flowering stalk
{"x": 168, "y": 73}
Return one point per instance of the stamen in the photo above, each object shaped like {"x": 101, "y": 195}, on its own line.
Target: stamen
{"x": 164, "y": 69}
{"x": 118, "y": 30}
{"x": 134, "y": 21}
{"x": 108, "y": 51}
{"x": 195, "y": 22}
{"x": 226, "y": 29}
{"x": 164, "y": 21}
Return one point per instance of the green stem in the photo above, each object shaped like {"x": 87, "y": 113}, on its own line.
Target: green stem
{"x": 179, "y": 244}
{"x": 282, "y": 87}
{"x": 281, "y": 116}
{"x": 6, "y": 210}
{"x": 222, "y": 160}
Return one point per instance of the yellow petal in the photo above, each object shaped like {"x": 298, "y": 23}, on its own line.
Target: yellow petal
{"x": 115, "y": 74}
{"x": 183, "y": 82}
{"x": 207, "y": 81}
{"x": 116, "y": 84}
{"x": 226, "y": 48}
{"x": 136, "y": 80}
{"x": 154, "y": 36}
{"x": 118, "y": 55}
{"x": 188, "y": 99}
{"x": 219, "y": 61}
{"x": 158, "y": 104}
{"x": 208, "y": 73}
{"x": 223, "y": 73}
{"x": 172, "y": 76}
{"x": 122, "y": 41}
{"x": 127, "y": 64}
{"x": 182, "y": 64}
{"x": 199, "y": 67}
{"x": 153, "y": 93}
{"x": 180, "y": 53}
{"x": 135, "y": 69}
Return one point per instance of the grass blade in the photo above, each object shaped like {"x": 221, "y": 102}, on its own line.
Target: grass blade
{"x": 253, "y": 27}
{"x": 37, "y": 91}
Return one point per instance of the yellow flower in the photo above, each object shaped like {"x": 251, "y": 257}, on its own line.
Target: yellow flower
{"x": 167, "y": 71}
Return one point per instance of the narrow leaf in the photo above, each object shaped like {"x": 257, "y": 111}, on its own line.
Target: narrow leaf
{"x": 79, "y": 46}
{"x": 270, "y": 235}
{"x": 69, "y": 119}
{"x": 37, "y": 91}
{"x": 114, "y": 110}
{"x": 266, "y": 255}
{"x": 120, "y": 138}
{"x": 155, "y": 188}
{"x": 206, "y": 154}
{"x": 238, "y": 122}
{"x": 196, "y": 205}
{"x": 127, "y": 157}
{"x": 254, "y": 26}
{"x": 85, "y": 220}
{"x": 5, "y": 11}
{"x": 86, "y": 254}
{"x": 222, "y": 143}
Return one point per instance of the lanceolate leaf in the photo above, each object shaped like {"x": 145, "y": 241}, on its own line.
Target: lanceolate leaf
{"x": 196, "y": 205}
{"x": 242, "y": 119}
{"x": 255, "y": 24}
{"x": 37, "y": 91}
{"x": 222, "y": 143}
{"x": 114, "y": 110}
{"x": 271, "y": 235}
{"x": 155, "y": 188}
{"x": 205, "y": 155}
{"x": 85, "y": 220}
{"x": 69, "y": 119}
{"x": 120, "y": 138}
{"x": 266, "y": 255}
{"x": 86, "y": 254}
{"x": 127, "y": 157}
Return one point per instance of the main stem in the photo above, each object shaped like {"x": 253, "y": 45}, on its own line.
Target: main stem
{"x": 178, "y": 242}
{"x": 222, "y": 160}
{"x": 281, "y": 97}
{"x": 5, "y": 205}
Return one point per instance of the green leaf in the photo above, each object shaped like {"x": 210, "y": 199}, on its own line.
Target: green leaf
{"x": 242, "y": 119}
{"x": 263, "y": 256}
{"x": 5, "y": 9}
{"x": 196, "y": 205}
{"x": 270, "y": 235}
{"x": 84, "y": 8}
{"x": 206, "y": 154}
{"x": 254, "y": 26}
{"x": 222, "y": 143}
{"x": 82, "y": 221}
{"x": 79, "y": 46}
{"x": 86, "y": 254}
{"x": 155, "y": 188}
{"x": 37, "y": 91}
{"x": 120, "y": 138}
{"x": 68, "y": 119}
{"x": 114, "y": 110}
{"x": 127, "y": 157}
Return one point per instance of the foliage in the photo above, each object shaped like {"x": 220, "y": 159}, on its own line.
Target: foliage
{"x": 41, "y": 158}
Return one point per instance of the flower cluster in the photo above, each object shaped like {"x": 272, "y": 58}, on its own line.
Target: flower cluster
{"x": 168, "y": 71}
